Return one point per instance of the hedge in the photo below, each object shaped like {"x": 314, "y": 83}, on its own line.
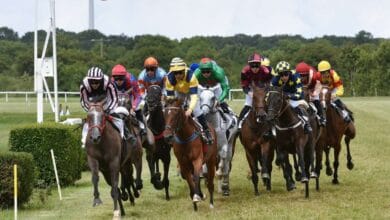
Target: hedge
{"x": 26, "y": 177}
{"x": 38, "y": 139}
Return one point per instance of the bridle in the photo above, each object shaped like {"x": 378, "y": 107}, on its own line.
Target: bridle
{"x": 93, "y": 110}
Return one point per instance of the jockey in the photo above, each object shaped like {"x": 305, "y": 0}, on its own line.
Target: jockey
{"x": 255, "y": 72}
{"x": 152, "y": 74}
{"x": 96, "y": 84}
{"x": 330, "y": 78}
{"x": 311, "y": 79}
{"x": 210, "y": 74}
{"x": 182, "y": 83}
{"x": 126, "y": 82}
{"x": 292, "y": 87}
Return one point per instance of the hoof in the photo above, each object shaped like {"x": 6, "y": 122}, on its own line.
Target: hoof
{"x": 329, "y": 171}
{"x": 138, "y": 184}
{"x": 350, "y": 165}
{"x": 265, "y": 176}
{"x": 304, "y": 180}
{"x": 313, "y": 175}
{"x": 137, "y": 193}
{"x": 124, "y": 196}
{"x": 97, "y": 202}
{"x": 117, "y": 214}
{"x": 291, "y": 187}
{"x": 211, "y": 206}
{"x": 196, "y": 198}
{"x": 225, "y": 190}
{"x": 335, "y": 181}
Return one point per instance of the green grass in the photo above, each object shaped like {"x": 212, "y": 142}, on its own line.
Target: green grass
{"x": 363, "y": 193}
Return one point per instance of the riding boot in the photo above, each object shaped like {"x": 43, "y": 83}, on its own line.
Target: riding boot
{"x": 140, "y": 118}
{"x": 243, "y": 112}
{"x": 206, "y": 134}
{"x": 320, "y": 112}
{"x": 225, "y": 108}
{"x": 343, "y": 110}
{"x": 303, "y": 115}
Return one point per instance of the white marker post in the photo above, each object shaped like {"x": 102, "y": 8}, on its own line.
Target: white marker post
{"x": 55, "y": 172}
{"x": 15, "y": 191}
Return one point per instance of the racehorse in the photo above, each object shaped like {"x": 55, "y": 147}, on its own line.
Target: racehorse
{"x": 136, "y": 152}
{"x": 106, "y": 154}
{"x": 161, "y": 150}
{"x": 331, "y": 137}
{"x": 258, "y": 149}
{"x": 226, "y": 128}
{"x": 290, "y": 137}
{"x": 190, "y": 150}
{"x": 316, "y": 133}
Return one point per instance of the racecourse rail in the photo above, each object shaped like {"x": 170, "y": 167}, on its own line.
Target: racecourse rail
{"x": 65, "y": 95}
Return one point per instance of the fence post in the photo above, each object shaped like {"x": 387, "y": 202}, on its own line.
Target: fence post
{"x": 66, "y": 97}
{"x": 26, "y": 97}
{"x": 6, "y": 97}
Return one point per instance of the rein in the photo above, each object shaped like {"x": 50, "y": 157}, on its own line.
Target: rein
{"x": 281, "y": 111}
{"x": 100, "y": 126}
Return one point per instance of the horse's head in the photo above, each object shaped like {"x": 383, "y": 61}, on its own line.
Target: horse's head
{"x": 96, "y": 121}
{"x": 124, "y": 100}
{"x": 258, "y": 103}
{"x": 207, "y": 100}
{"x": 174, "y": 116}
{"x": 325, "y": 96}
{"x": 274, "y": 103}
{"x": 153, "y": 96}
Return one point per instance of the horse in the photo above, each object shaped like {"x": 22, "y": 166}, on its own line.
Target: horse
{"x": 161, "y": 150}
{"x": 336, "y": 128}
{"x": 226, "y": 127}
{"x": 316, "y": 133}
{"x": 190, "y": 150}
{"x": 258, "y": 149}
{"x": 290, "y": 137}
{"x": 106, "y": 154}
{"x": 136, "y": 152}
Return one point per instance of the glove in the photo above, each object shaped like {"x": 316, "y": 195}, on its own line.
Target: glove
{"x": 246, "y": 90}
{"x": 188, "y": 112}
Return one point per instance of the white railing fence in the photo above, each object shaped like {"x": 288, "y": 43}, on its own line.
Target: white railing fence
{"x": 30, "y": 94}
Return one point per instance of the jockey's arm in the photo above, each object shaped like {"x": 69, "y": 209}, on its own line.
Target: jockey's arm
{"x": 221, "y": 78}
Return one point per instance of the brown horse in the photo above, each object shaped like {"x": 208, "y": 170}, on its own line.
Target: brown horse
{"x": 290, "y": 137}
{"x": 190, "y": 150}
{"x": 161, "y": 150}
{"x": 106, "y": 154}
{"x": 332, "y": 135}
{"x": 136, "y": 152}
{"x": 257, "y": 148}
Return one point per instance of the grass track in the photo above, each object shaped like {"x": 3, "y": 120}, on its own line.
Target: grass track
{"x": 363, "y": 193}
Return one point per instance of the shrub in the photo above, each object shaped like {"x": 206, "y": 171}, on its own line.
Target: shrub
{"x": 26, "y": 177}
{"x": 65, "y": 142}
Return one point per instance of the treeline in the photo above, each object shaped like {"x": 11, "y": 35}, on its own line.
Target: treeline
{"x": 362, "y": 61}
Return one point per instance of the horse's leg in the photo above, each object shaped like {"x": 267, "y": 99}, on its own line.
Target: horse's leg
{"x": 266, "y": 164}
{"x": 298, "y": 174}
{"x": 94, "y": 166}
{"x": 210, "y": 179}
{"x": 186, "y": 172}
{"x": 329, "y": 170}
{"x": 318, "y": 167}
{"x": 115, "y": 193}
{"x": 138, "y": 168}
{"x": 252, "y": 165}
{"x": 166, "y": 161}
{"x": 197, "y": 165}
{"x": 337, "y": 149}
{"x": 287, "y": 170}
{"x": 349, "y": 134}
{"x": 150, "y": 157}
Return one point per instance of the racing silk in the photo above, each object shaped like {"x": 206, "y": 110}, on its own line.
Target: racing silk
{"x": 130, "y": 86}
{"x": 333, "y": 82}
{"x": 145, "y": 81}
{"x": 189, "y": 85}
{"x": 106, "y": 89}
{"x": 247, "y": 76}
{"x": 292, "y": 88}
{"x": 217, "y": 76}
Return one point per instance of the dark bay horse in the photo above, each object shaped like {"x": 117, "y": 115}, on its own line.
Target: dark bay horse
{"x": 257, "y": 148}
{"x": 136, "y": 152}
{"x": 190, "y": 150}
{"x": 161, "y": 150}
{"x": 105, "y": 154}
{"x": 316, "y": 133}
{"x": 290, "y": 137}
{"x": 336, "y": 128}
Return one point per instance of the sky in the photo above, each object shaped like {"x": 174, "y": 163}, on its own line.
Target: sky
{"x": 178, "y": 19}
